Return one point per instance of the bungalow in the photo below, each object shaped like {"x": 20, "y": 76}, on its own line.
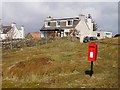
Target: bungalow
{"x": 33, "y": 35}
{"x": 11, "y": 32}
{"x": 102, "y": 34}
{"x": 81, "y": 26}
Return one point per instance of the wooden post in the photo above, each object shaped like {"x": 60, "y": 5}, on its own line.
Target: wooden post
{"x": 60, "y": 32}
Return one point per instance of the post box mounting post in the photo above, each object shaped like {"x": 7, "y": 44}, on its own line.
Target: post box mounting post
{"x": 91, "y": 68}
{"x": 90, "y": 72}
{"x": 92, "y": 56}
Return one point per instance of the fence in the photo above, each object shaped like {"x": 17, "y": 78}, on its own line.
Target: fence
{"x": 20, "y": 43}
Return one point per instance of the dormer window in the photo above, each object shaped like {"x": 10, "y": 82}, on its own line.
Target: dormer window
{"x": 47, "y": 24}
{"x": 69, "y": 22}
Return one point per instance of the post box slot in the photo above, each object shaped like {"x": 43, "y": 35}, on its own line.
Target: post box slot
{"x": 91, "y": 46}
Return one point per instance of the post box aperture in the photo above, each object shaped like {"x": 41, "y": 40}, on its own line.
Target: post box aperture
{"x": 92, "y": 51}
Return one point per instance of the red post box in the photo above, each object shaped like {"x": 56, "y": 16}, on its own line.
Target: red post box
{"x": 92, "y": 51}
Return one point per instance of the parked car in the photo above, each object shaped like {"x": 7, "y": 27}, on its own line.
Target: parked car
{"x": 117, "y": 35}
{"x": 87, "y": 39}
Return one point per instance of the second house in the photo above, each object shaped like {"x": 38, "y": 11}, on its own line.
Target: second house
{"x": 79, "y": 27}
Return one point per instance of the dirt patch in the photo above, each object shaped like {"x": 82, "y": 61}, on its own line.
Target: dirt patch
{"x": 41, "y": 66}
{"x": 43, "y": 61}
{"x": 24, "y": 68}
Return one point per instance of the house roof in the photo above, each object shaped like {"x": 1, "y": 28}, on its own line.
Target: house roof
{"x": 64, "y": 19}
{"x": 35, "y": 35}
{"x": 6, "y": 29}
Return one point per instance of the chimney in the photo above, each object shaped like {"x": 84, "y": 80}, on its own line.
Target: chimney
{"x": 90, "y": 23}
{"x": 82, "y": 17}
{"x": 89, "y": 16}
{"x": 13, "y": 24}
{"x": 1, "y": 30}
{"x": 22, "y": 27}
{"x": 22, "y": 31}
{"x": 49, "y": 18}
{"x": 1, "y": 24}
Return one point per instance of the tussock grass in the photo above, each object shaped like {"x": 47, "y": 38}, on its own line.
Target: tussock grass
{"x": 61, "y": 64}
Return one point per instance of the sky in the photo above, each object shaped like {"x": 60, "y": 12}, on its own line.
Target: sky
{"x": 33, "y": 14}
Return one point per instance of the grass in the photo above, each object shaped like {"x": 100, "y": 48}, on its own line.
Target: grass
{"x": 61, "y": 64}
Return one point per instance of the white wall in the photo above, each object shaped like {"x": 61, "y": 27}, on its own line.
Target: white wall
{"x": 22, "y": 32}
{"x": 3, "y": 36}
{"x": 14, "y": 33}
{"x": 83, "y": 28}
{"x": 90, "y": 25}
{"x": 66, "y": 30}
{"x": 62, "y": 34}
{"x": 103, "y": 34}
{"x": 42, "y": 34}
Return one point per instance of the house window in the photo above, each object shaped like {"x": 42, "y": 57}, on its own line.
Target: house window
{"x": 98, "y": 34}
{"x": 70, "y": 22}
{"x": 58, "y": 23}
{"x": 48, "y": 24}
{"x": 107, "y": 33}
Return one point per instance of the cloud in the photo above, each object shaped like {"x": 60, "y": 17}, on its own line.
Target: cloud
{"x": 0, "y": 10}
{"x": 33, "y": 14}
{"x": 61, "y": 0}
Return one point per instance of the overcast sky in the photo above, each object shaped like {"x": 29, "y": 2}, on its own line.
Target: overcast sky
{"x": 33, "y": 14}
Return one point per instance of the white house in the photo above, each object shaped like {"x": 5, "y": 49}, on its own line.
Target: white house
{"x": 82, "y": 25}
{"x": 102, "y": 34}
{"x": 12, "y": 32}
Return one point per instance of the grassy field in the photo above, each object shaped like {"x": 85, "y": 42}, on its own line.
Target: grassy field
{"x": 61, "y": 64}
